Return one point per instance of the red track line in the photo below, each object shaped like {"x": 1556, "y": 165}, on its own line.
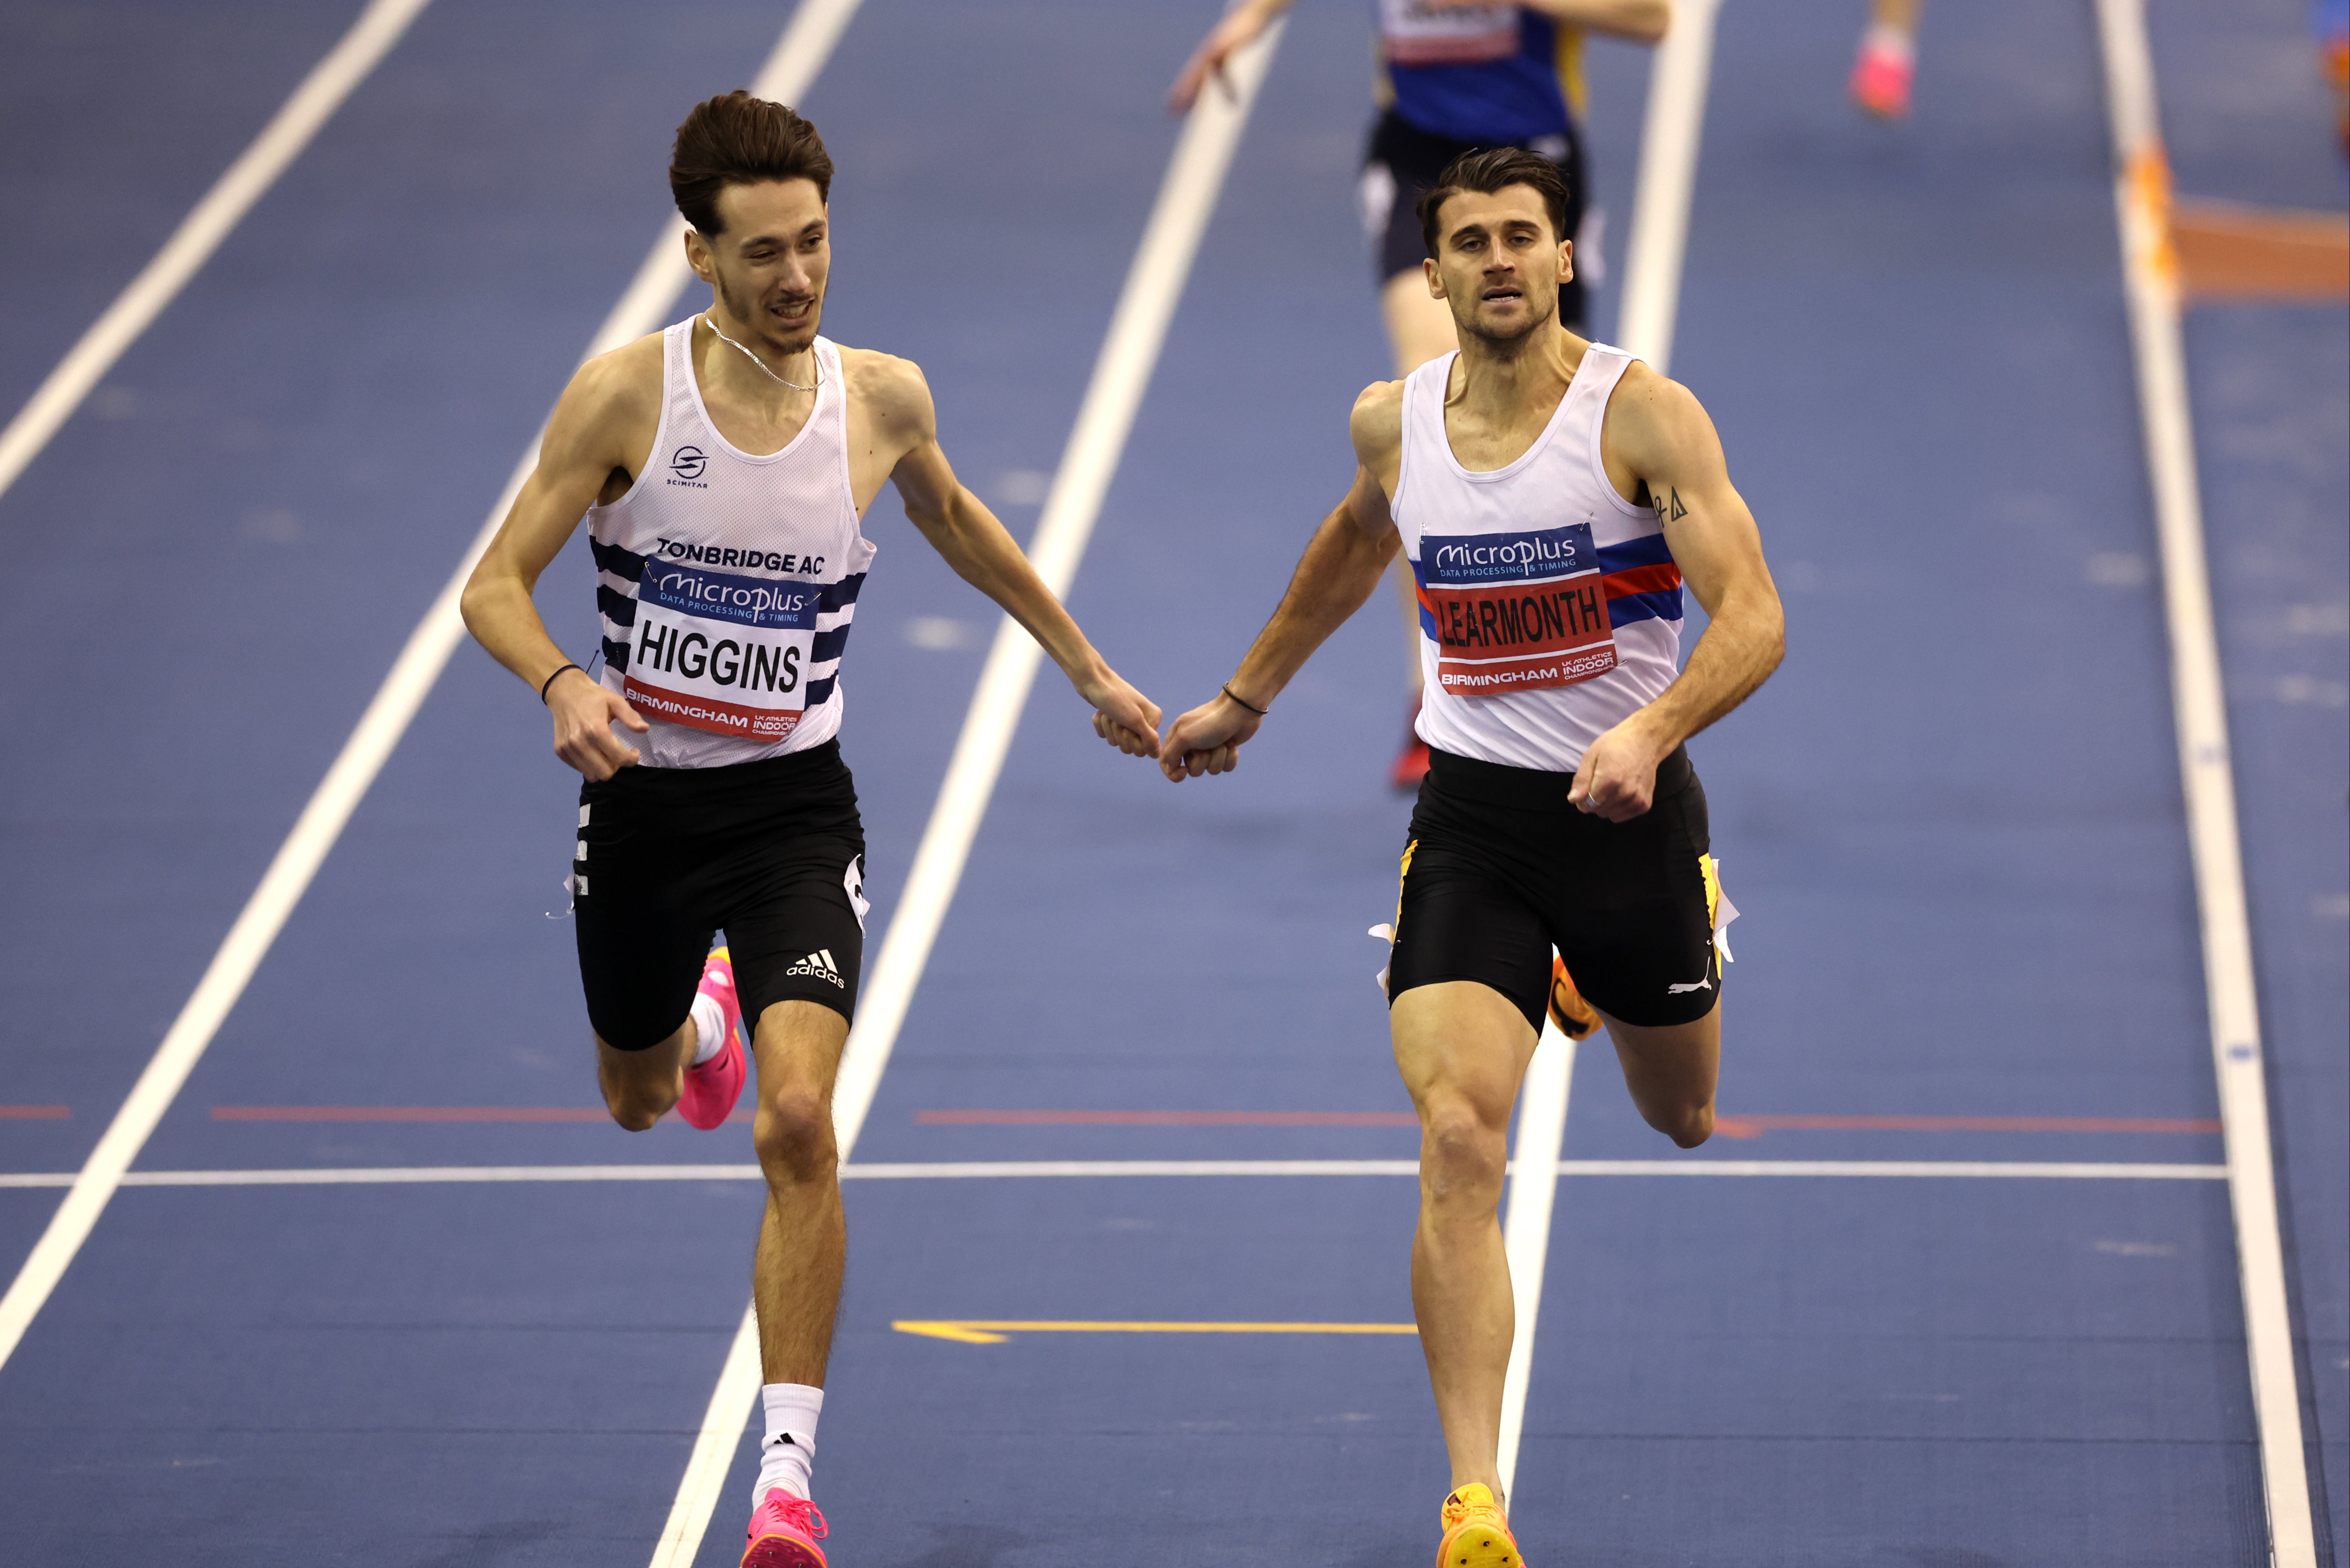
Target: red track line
{"x": 1728, "y": 1126}
{"x": 34, "y": 1113}
{"x": 1169, "y": 1119}
{"x": 1756, "y": 1126}
{"x": 408, "y": 1114}
{"x": 417, "y": 1114}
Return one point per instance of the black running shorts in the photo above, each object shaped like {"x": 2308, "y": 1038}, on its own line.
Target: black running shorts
{"x": 770, "y": 851}
{"x": 1501, "y": 870}
{"x": 1403, "y": 164}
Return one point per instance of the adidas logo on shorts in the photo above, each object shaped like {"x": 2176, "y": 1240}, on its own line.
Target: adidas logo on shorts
{"x": 818, "y": 964}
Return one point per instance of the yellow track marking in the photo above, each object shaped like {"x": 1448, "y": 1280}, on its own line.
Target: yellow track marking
{"x": 991, "y": 1331}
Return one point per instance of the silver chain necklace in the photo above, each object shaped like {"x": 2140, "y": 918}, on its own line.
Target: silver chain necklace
{"x": 755, "y": 359}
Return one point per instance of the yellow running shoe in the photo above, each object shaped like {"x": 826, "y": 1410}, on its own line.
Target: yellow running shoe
{"x": 1476, "y": 1533}
{"x": 1574, "y": 1017}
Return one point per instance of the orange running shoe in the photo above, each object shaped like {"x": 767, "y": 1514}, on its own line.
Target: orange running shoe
{"x": 1576, "y": 1018}
{"x": 1882, "y": 75}
{"x": 1476, "y": 1533}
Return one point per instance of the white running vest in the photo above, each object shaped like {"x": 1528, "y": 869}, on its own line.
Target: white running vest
{"x": 727, "y": 581}
{"x": 1550, "y": 608}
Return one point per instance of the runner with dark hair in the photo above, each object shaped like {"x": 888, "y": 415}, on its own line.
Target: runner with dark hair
{"x": 724, "y": 467}
{"x": 1549, "y": 494}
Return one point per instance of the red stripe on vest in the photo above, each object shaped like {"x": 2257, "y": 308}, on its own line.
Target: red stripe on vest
{"x": 1641, "y": 580}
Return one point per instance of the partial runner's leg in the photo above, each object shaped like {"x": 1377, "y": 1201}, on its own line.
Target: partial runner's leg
{"x": 1418, "y": 329}
{"x": 1671, "y": 1070}
{"x": 639, "y": 1086}
{"x": 1463, "y": 1049}
{"x": 803, "y": 1240}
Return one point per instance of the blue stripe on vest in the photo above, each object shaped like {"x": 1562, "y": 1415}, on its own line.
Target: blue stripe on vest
{"x": 618, "y": 607}
{"x": 1663, "y": 604}
{"x": 1647, "y": 550}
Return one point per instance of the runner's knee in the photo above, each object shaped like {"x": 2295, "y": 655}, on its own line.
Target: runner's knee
{"x": 636, "y": 1100}
{"x": 794, "y": 1134}
{"x": 1687, "y": 1124}
{"x": 1460, "y": 1157}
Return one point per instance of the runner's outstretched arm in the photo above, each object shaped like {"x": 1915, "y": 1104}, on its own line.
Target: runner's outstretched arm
{"x": 1658, "y": 429}
{"x": 983, "y": 553}
{"x": 1237, "y": 30}
{"x": 584, "y": 445}
{"x": 1341, "y": 567}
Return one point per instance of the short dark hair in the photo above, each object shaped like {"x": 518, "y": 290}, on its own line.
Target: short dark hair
{"x": 1487, "y": 170}
{"x": 737, "y": 140}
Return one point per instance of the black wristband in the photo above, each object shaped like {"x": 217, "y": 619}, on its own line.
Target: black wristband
{"x": 1260, "y": 713}
{"x": 550, "y": 681}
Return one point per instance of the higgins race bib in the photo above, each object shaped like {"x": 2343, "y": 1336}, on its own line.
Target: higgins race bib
{"x": 1415, "y": 34}
{"x": 722, "y": 652}
{"x": 1514, "y": 612}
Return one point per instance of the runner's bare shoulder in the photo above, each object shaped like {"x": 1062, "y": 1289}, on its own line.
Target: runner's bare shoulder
{"x": 891, "y": 394}
{"x": 612, "y": 406}
{"x": 1376, "y": 424}
{"x": 1653, "y": 420}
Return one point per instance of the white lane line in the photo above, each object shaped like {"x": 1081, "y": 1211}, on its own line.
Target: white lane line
{"x": 2198, "y": 701}
{"x": 1652, "y": 290}
{"x": 1010, "y": 1169}
{"x": 200, "y": 234}
{"x": 1525, "y": 1228}
{"x": 713, "y": 1449}
{"x": 1669, "y": 135}
{"x": 797, "y": 58}
{"x": 2038, "y": 1171}
{"x": 1129, "y": 352}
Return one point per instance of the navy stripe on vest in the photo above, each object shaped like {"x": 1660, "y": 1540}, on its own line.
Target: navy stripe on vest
{"x": 618, "y": 607}
{"x": 615, "y": 654}
{"x": 839, "y": 595}
{"x": 626, "y": 565}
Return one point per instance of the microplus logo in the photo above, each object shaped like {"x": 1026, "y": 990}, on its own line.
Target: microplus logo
{"x": 1487, "y": 557}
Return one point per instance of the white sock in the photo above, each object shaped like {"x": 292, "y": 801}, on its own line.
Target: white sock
{"x": 709, "y": 1027}
{"x": 1883, "y": 38}
{"x": 789, "y": 1455}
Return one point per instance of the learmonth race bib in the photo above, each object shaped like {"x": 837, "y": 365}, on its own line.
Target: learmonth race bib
{"x": 1515, "y": 612}
{"x": 722, "y": 652}
{"x": 1415, "y": 35}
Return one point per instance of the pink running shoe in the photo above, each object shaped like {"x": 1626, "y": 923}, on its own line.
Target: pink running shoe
{"x": 711, "y": 1090}
{"x": 1882, "y": 75}
{"x": 785, "y": 1532}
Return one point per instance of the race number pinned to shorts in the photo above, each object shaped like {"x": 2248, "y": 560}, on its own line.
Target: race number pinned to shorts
{"x": 1514, "y": 612}
{"x": 1418, "y": 33}
{"x": 719, "y": 651}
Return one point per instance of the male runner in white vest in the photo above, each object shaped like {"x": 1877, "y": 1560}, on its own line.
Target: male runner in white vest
{"x": 724, "y": 466}
{"x": 1551, "y": 494}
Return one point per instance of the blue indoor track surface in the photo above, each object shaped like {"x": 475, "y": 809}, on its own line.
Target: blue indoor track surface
{"x": 1953, "y": 822}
